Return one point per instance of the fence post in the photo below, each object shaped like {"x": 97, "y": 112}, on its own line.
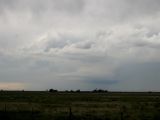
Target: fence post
{"x": 121, "y": 115}
{"x": 5, "y": 107}
{"x": 70, "y": 113}
{"x": 5, "y": 111}
{"x": 121, "y": 112}
{"x": 32, "y": 112}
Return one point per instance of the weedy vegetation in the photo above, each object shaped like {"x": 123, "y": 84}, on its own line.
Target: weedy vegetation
{"x": 23, "y": 105}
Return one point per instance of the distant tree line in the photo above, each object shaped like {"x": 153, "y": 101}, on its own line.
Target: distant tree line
{"x": 78, "y": 91}
{"x": 99, "y": 91}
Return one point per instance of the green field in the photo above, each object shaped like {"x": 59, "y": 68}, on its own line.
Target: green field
{"x": 79, "y": 106}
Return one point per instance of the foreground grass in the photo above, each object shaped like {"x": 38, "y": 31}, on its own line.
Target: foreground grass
{"x": 79, "y": 106}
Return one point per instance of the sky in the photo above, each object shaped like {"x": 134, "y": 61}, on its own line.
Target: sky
{"x": 80, "y": 44}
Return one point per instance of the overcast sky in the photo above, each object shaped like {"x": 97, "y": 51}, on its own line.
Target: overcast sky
{"x": 80, "y": 44}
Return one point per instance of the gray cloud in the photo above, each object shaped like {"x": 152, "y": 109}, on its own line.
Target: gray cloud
{"x": 82, "y": 44}
{"x": 40, "y": 7}
{"x": 138, "y": 76}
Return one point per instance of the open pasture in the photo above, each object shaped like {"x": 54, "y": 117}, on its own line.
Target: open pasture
{"x": 19, "y": 105}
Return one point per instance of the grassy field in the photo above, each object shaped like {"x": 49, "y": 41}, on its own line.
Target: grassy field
{"x": 79, "y": 106}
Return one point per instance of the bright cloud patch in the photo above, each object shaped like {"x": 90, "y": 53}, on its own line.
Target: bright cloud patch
{"x": 12, "y": 86}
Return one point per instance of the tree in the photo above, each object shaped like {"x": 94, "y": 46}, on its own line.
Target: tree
{"x": 53, "y": 90}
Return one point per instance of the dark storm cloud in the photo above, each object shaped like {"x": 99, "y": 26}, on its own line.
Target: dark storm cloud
{"x": 101, "y": 81}
{"x": 138, "y": 76}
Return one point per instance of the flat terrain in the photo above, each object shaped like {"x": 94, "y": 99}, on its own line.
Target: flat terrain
{"x": 79, "y": 106}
